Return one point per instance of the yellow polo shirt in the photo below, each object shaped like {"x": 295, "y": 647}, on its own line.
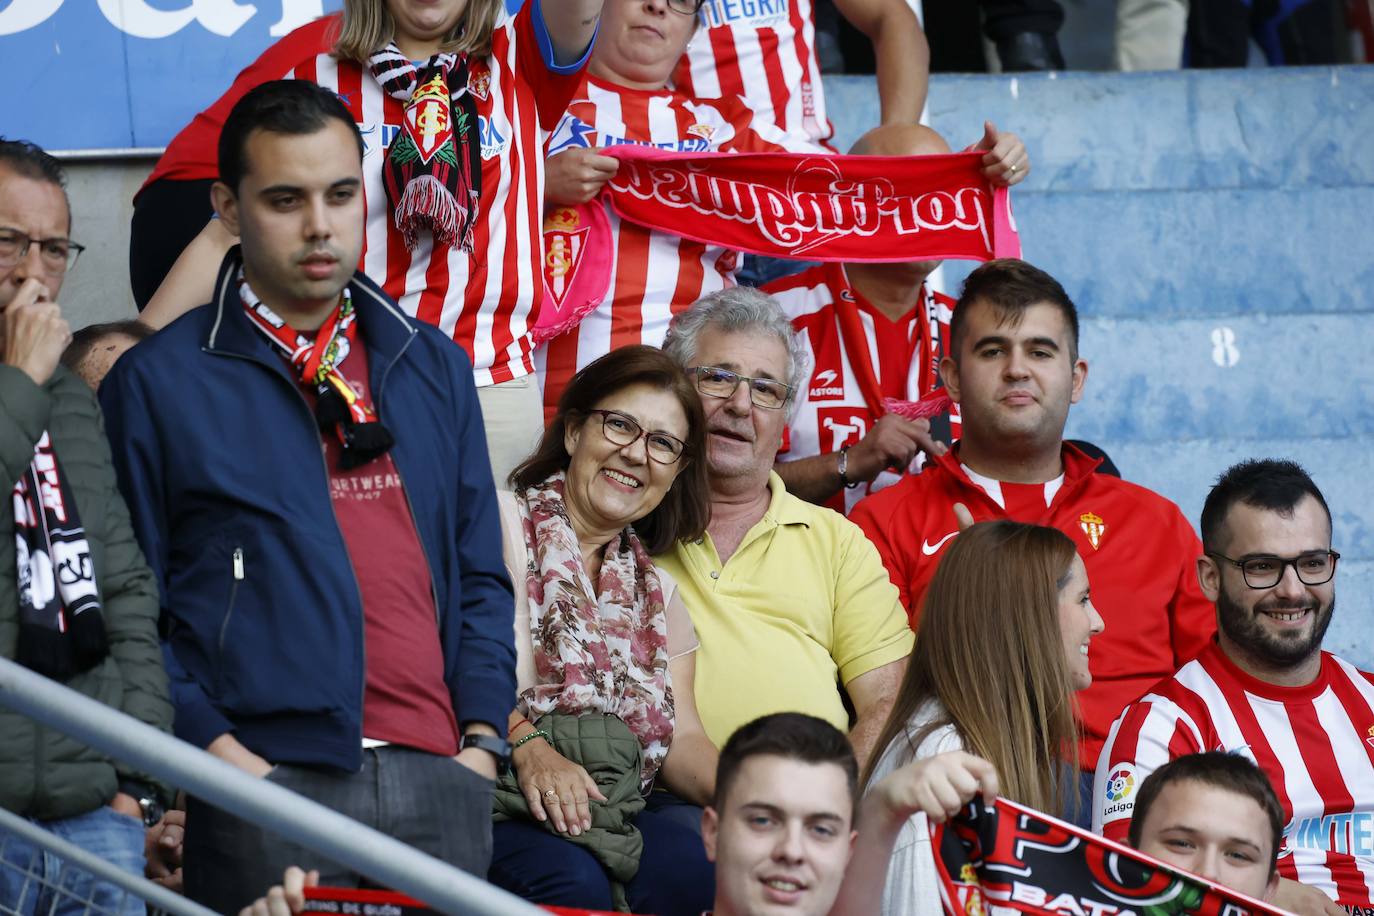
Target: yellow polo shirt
{"x": 803, "y": 605}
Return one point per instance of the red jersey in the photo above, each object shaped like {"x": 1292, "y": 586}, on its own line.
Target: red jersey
{"x": 1139, "y": 550}
{"x": 765, "y": 51}
{"x": 485, "y": 300}
{"x": 858, "y": 357}
{"x": 654, "y": 275}
{"x": 1316, "y": 744}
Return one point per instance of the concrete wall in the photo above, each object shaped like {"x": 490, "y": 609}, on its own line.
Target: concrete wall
{"x": 1213, "y": 228}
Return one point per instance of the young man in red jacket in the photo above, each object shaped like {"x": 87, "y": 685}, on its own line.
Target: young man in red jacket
{"x": 1014, "y": 369}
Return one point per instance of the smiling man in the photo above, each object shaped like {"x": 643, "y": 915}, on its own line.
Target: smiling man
{"x": 790, "y": 602}
{"x": 310, "y": 484}
{"x": 1014, "y": 370}
{"x": 1266, "y": 689}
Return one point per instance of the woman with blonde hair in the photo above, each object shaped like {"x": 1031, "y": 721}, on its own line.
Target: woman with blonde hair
{"x": 1001, "y": 648}
{"x": 454, "y": 100}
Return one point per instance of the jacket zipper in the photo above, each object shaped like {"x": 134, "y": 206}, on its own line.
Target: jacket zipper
{"x": 237, "y": 568}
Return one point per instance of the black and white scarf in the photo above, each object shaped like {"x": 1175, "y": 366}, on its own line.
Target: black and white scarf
{"x": 61, "y": 631}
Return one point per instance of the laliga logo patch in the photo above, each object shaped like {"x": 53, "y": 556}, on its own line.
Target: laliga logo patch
{"x": 1121, "y": 785}
{"x": 1093, "y": 527}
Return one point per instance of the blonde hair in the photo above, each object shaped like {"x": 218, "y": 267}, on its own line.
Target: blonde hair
{"x": 368, "y": 27}
{"x": 989, "y": 651}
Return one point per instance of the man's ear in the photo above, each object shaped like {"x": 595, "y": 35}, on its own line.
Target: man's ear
{"x": 710, "y": 831}
{"x": 1209, "y": 577}
{"x": 949, "y": 374}
{"x": 226, "y": 204}
{"x": 1080, "y": 377}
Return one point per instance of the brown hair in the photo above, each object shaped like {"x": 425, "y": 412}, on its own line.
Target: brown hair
{"x": 792, "y": 736}
{"x": 990, "y": 653}
{"x": 368, "y": 27}
{"x": 1010, "y": 286}
{"x": 686, "y": 508}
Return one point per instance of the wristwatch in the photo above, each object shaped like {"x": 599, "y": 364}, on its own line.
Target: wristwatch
{"x": 496, "y": 747}
{"x": 146, "y": 797}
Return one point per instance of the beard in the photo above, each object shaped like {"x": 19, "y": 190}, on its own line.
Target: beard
{"x": 1243, "y": 627}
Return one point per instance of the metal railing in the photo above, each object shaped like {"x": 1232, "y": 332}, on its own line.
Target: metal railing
{"x": 384, "y": 860}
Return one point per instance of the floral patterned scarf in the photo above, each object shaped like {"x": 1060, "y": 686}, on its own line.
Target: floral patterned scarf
{"x": 600, "y": 649}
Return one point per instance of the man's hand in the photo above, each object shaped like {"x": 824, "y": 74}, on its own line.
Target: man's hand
{"x": 892, "y": 443}
{"x": 936, "y": 786}
{"x": 1005, "y": 160}
{"x": 1305, "y": 900}
{"x": 576, "y": 175}
{"x": 162, "y": 850}
{"x": 479, "y": 761}
{"x": 227, "y": 748}
{"x": 285, "y": 898}
{"x": 35, "y": 332}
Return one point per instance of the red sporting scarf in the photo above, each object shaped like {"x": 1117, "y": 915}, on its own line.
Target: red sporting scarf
{"x": 818, "y": 208}
{"x": 338, "y": 407}
{"x": 1010, "y": 859}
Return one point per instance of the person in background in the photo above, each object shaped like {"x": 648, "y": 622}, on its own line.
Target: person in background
{"x": 1019, "y": 594}
{"x": 1215, "y": 815}
{"x": 789, "y": 600}
{"x": 605, "y": 649}
{"x": 95, "y": 348}
{"x": 77, "y": 602}
{"x": 1264, "y": 687}
{"x": 455, "y": 100}
{"x": 314, "y": 498}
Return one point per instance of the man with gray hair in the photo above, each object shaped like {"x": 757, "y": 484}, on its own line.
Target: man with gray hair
{"x": 789, "y": 599}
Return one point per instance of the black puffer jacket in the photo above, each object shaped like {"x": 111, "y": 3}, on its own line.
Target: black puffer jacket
{"x": 43, "y": 773}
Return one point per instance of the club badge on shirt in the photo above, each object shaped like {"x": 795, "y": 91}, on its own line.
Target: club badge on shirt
{"x": 1093, "y": 527}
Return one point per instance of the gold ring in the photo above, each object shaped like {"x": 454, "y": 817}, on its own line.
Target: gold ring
{"x": 550, "y": 793}
{"x": 1013, "y": 169}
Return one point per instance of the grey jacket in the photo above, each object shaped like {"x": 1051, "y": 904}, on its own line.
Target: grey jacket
{"x": 43, "y": 773}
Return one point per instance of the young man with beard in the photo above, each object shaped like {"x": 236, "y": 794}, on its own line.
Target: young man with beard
{"x": 1266, "y": 689}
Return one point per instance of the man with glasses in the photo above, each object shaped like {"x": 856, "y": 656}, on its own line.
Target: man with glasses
{"x": 791, "y": 603}
{"x": 77, "y": 602}
{"x": 1265, "y": 688}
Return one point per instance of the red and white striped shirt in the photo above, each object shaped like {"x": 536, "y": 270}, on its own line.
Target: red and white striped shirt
{"x": 486, "y": 300}
{"x": 654, "y": 275}
{"x": 1316, "y": 744}
{"x": 765, "y": 51}
{"x": 903, "y": 358}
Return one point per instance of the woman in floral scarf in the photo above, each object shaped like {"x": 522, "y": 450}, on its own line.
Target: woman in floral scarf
{"x": 600, "y": 631}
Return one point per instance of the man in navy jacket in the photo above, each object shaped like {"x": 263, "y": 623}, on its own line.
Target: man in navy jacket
{"x": 308, "y": 477}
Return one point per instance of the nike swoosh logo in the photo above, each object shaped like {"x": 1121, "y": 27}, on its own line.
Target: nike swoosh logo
{"x": 930, "y": 549}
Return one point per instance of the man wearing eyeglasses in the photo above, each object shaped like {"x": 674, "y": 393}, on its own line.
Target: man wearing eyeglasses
{"x": 77, "y": 602}
{"x": 790, "y": 601}
{"x": 1266, "y": 689}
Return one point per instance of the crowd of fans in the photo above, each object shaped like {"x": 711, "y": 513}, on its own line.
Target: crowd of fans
{"x": 674, "y": 613}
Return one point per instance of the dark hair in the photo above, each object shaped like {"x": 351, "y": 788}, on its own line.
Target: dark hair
{"x": 1231, "y": 772}
{"x": 791, "y": 735}
{"x": 686, "y": 508}
{"x": 295, "y": 107}
{"x": 32, "y": 161}
{"x": 85, "y": 339}
{"x": 1266, "y": 483}
{"x": 1010, "y": 286}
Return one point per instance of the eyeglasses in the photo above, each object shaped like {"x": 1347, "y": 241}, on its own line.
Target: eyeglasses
{"x": 58, "y": 255}
{"x": 622, "y": 429}
{"x": 1313, "y": 568}
{"x": 768, "y": 393}
{"x": 686, "y": 7}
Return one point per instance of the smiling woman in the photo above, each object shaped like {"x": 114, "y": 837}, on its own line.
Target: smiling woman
{"x": 605, "y": 646}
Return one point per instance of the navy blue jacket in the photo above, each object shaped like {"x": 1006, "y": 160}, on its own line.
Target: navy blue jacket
{"x": 218, "y": 454}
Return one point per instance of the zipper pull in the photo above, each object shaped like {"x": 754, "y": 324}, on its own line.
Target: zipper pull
{"x": 238, "y": 563}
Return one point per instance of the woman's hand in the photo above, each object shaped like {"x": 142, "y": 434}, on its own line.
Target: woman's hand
{"x": 936, "y": 786}
{"x": 576, "y": 175}
{"x": 555, "y": 788}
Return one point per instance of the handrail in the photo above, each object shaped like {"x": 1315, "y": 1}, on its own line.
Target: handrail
{"x": 334, "y": 836}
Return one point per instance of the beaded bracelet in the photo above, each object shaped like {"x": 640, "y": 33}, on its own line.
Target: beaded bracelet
{"x": 537, "y": 733}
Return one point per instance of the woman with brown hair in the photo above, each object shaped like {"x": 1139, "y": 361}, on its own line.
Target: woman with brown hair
{"x": 605, "y": 648}
{"x": 1001, "y": 648}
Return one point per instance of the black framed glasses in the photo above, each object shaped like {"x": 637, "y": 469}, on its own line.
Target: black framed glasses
{"x": 1316, "y": 567}
{"x": 57, "y": 254}
{"x": 686, "y": 7}
{"x": 768, "y": 393}
{"x": 622, "y": 429}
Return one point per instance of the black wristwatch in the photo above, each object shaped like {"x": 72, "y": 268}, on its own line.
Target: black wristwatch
{"x": 147, "y": 799}
{"x": 496, "y": 747}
